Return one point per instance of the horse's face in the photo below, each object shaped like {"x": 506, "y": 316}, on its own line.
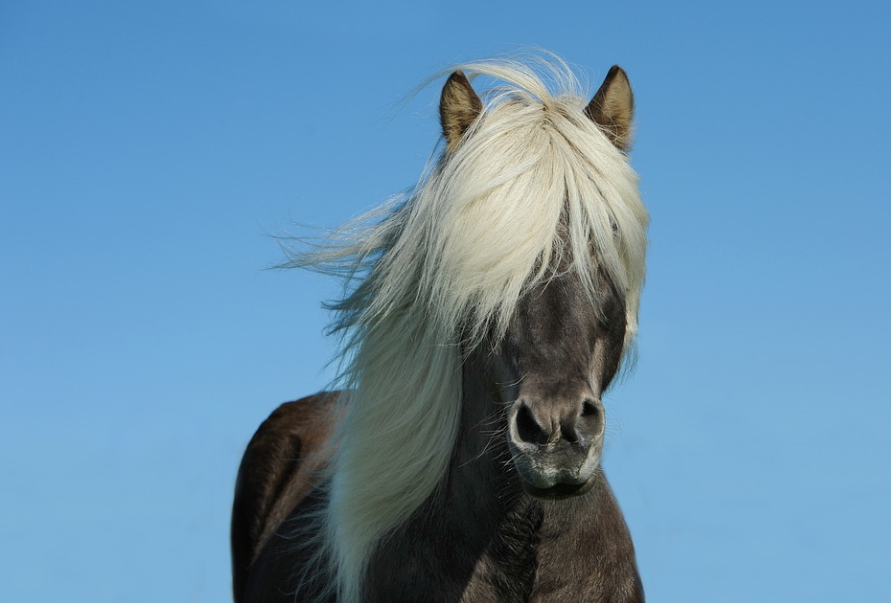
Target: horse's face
{"x": 562, "y": 348}
{"x": 558, "y": 357}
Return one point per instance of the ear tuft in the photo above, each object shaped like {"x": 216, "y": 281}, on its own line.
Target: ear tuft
{"x": 612, "y": 108}
{"x": 459, "y": 106}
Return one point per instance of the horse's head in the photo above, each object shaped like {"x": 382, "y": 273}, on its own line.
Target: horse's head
{"x": 560, "y": 350}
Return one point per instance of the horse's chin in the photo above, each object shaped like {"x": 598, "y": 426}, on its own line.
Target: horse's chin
{"x": 559, "y": 491}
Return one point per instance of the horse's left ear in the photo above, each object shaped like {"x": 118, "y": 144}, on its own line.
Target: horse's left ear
{"x": 612, "y": 108}
{"x": 458, "y": 107}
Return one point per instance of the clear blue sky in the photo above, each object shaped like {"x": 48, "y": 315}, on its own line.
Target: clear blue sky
{"x": 148, "y": 150}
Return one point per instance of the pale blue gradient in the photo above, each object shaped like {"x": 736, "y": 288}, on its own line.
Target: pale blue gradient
{"x": 149, "y": 150}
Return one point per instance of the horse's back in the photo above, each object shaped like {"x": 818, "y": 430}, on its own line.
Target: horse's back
{"x": 279, "y": 468}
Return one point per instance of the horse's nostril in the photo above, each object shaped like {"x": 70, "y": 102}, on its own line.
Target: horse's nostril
{"x": 592, "y": 419}
{"x": 528, "y": 430}
{"x": 589, "y": 408}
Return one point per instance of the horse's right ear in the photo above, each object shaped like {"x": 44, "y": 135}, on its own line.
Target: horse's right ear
{"x": 458, "y": 107}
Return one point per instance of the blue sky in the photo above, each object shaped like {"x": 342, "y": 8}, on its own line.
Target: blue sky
{"x": 149, "y": 150}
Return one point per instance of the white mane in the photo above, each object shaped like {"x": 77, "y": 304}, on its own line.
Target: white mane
{"x": 534, "y": 180}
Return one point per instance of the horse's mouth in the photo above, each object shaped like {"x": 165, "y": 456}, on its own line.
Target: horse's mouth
{"x": 566, "y": 476}
{"x": 559, "y": 491}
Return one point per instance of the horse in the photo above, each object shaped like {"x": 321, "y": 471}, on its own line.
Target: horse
{"x": 486, "y": 312}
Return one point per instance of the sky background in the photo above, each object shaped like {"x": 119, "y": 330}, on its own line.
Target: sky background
{"x": 150, "y": 151}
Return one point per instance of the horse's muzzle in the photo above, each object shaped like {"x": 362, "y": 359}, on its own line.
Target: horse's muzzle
{"x": 556, "y": 445}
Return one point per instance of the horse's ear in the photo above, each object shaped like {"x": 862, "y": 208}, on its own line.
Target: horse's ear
{"x": 612, "y": 108}
{"x": 458, "y": 107}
